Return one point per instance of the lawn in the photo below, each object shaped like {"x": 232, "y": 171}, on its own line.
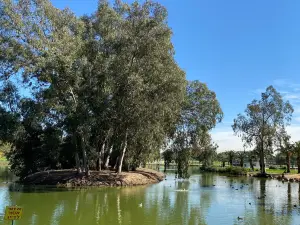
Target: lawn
{"x": 280, "y": 171}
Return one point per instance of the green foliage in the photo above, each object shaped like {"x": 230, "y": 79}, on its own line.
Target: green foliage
{"x": 200, "y": 113}
{"x": 104, "y": 88}
{"x": 273, "y": 167}
{"x": 232, "y": 170}
{"x": 262, "y": 121}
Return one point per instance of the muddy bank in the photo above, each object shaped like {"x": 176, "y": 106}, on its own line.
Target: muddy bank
{"x": 281, "y": 177}
{"x": 70, "y": 178}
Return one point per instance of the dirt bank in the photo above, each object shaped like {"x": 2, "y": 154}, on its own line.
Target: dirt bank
{"x": 287, "y": 177}
{"x": 281, "y": 177}
{"x": 70, "y": 178}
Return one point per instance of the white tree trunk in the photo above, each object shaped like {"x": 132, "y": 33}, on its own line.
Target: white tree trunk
{"x": 122, "y": 154}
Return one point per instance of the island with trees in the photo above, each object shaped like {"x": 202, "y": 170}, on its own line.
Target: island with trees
{"x": 97, "y": 92}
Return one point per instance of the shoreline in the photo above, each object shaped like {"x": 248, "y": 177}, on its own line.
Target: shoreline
{"x": 105, "y": 178}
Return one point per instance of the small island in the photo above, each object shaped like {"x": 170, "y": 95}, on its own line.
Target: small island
{"x": 70, "y": 178}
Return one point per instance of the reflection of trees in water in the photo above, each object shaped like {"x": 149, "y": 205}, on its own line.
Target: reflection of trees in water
{"x": 207, "y": 179}
{"x": 266, "y": 211}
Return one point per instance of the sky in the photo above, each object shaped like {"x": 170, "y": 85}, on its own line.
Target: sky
{"x": 238, "y": 48}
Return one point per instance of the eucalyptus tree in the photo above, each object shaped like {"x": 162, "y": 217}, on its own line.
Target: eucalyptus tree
{"x": 204, "y": 149}
{"x": 262, "y": 120}
{"x": 148, "y": 86}
{"x": 44, "y": 45}
{"x": 108, "y": 82}
{"x": 251, "y": 156}
{"x": 168, "y": 156}
{"x": 201, "y": 111}
{"x": 230, "y": 155}
{"x": 241, "y": 155}
{"x": 222, "y": 157}
{"x": 296, "y": 150}
{"x": 286, "y": 148}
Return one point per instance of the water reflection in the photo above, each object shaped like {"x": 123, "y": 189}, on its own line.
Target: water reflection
{"x": 210, "y": 199}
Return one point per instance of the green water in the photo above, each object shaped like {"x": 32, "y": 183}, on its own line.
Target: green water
{"x": 203, "y": 203}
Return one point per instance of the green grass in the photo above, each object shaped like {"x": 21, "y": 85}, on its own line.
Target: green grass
{"x": 280, "y": 171}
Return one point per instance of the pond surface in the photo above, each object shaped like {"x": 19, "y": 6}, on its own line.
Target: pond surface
{"x": 162, "y": 203}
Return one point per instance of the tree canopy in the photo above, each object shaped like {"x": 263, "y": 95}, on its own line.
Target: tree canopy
{"x": 262, "y": 121}
{"x": 95, "y": 91}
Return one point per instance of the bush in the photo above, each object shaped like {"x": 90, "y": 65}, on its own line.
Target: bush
{"x": 273, "y": 168}
{"x": 229, "y": 170}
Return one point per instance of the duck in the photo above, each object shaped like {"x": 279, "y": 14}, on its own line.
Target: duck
{"x": 249, "y": 203}
{"x": 240, "y": 218}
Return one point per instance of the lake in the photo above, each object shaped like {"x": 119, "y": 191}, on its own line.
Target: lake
{"x": 162, "y": 203}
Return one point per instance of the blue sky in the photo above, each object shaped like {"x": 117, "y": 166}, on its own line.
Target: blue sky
{"x": 237, "y": 47}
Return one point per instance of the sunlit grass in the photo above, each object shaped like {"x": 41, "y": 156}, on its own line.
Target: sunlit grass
{"x": 280, "y": 171}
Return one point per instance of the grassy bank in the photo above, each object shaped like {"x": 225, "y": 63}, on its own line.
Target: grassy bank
{"x": 280, "y": 171}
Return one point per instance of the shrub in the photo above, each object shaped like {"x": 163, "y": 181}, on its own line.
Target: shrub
{"x": 229, "y": 170}
{"x": 273, "y": 168}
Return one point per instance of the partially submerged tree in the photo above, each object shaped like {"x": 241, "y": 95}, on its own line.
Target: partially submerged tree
{"x": 201, "y": 111}
{"x": 262, "y": 120}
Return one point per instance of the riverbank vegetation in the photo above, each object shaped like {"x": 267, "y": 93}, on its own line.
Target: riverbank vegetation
{"x": 98, "y": 91}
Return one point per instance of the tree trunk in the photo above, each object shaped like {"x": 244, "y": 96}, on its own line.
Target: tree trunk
{"x": 288, "y": 162}
{"x": 165, "y": 167}
{"x": 77, "y": 163}
{"x": 100, "y": 154}
{"x": 108, "y": 157}
{"x": 116, "y": 164}
{"x": 251, "y": 164}
{"x": 298, "y": 161}
{"x": 223, "y": 164}
{"x": 84, "y": 156}
{"x": 262, "y": 162}
{"x": 242, "y": 163}
{"x": 121, "y": 158}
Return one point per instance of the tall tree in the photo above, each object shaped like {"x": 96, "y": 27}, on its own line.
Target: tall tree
{"x": 296, "y": 150}
{"x": 107, "y": 82}
{"x": 222, "y": 157}
{"x": 230, "y": 155}
{"x": 262, "y": 119}
{"x": 241, "y": 155}
{"x": 286, "y": 148}
{"x": 200, "y": 113}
